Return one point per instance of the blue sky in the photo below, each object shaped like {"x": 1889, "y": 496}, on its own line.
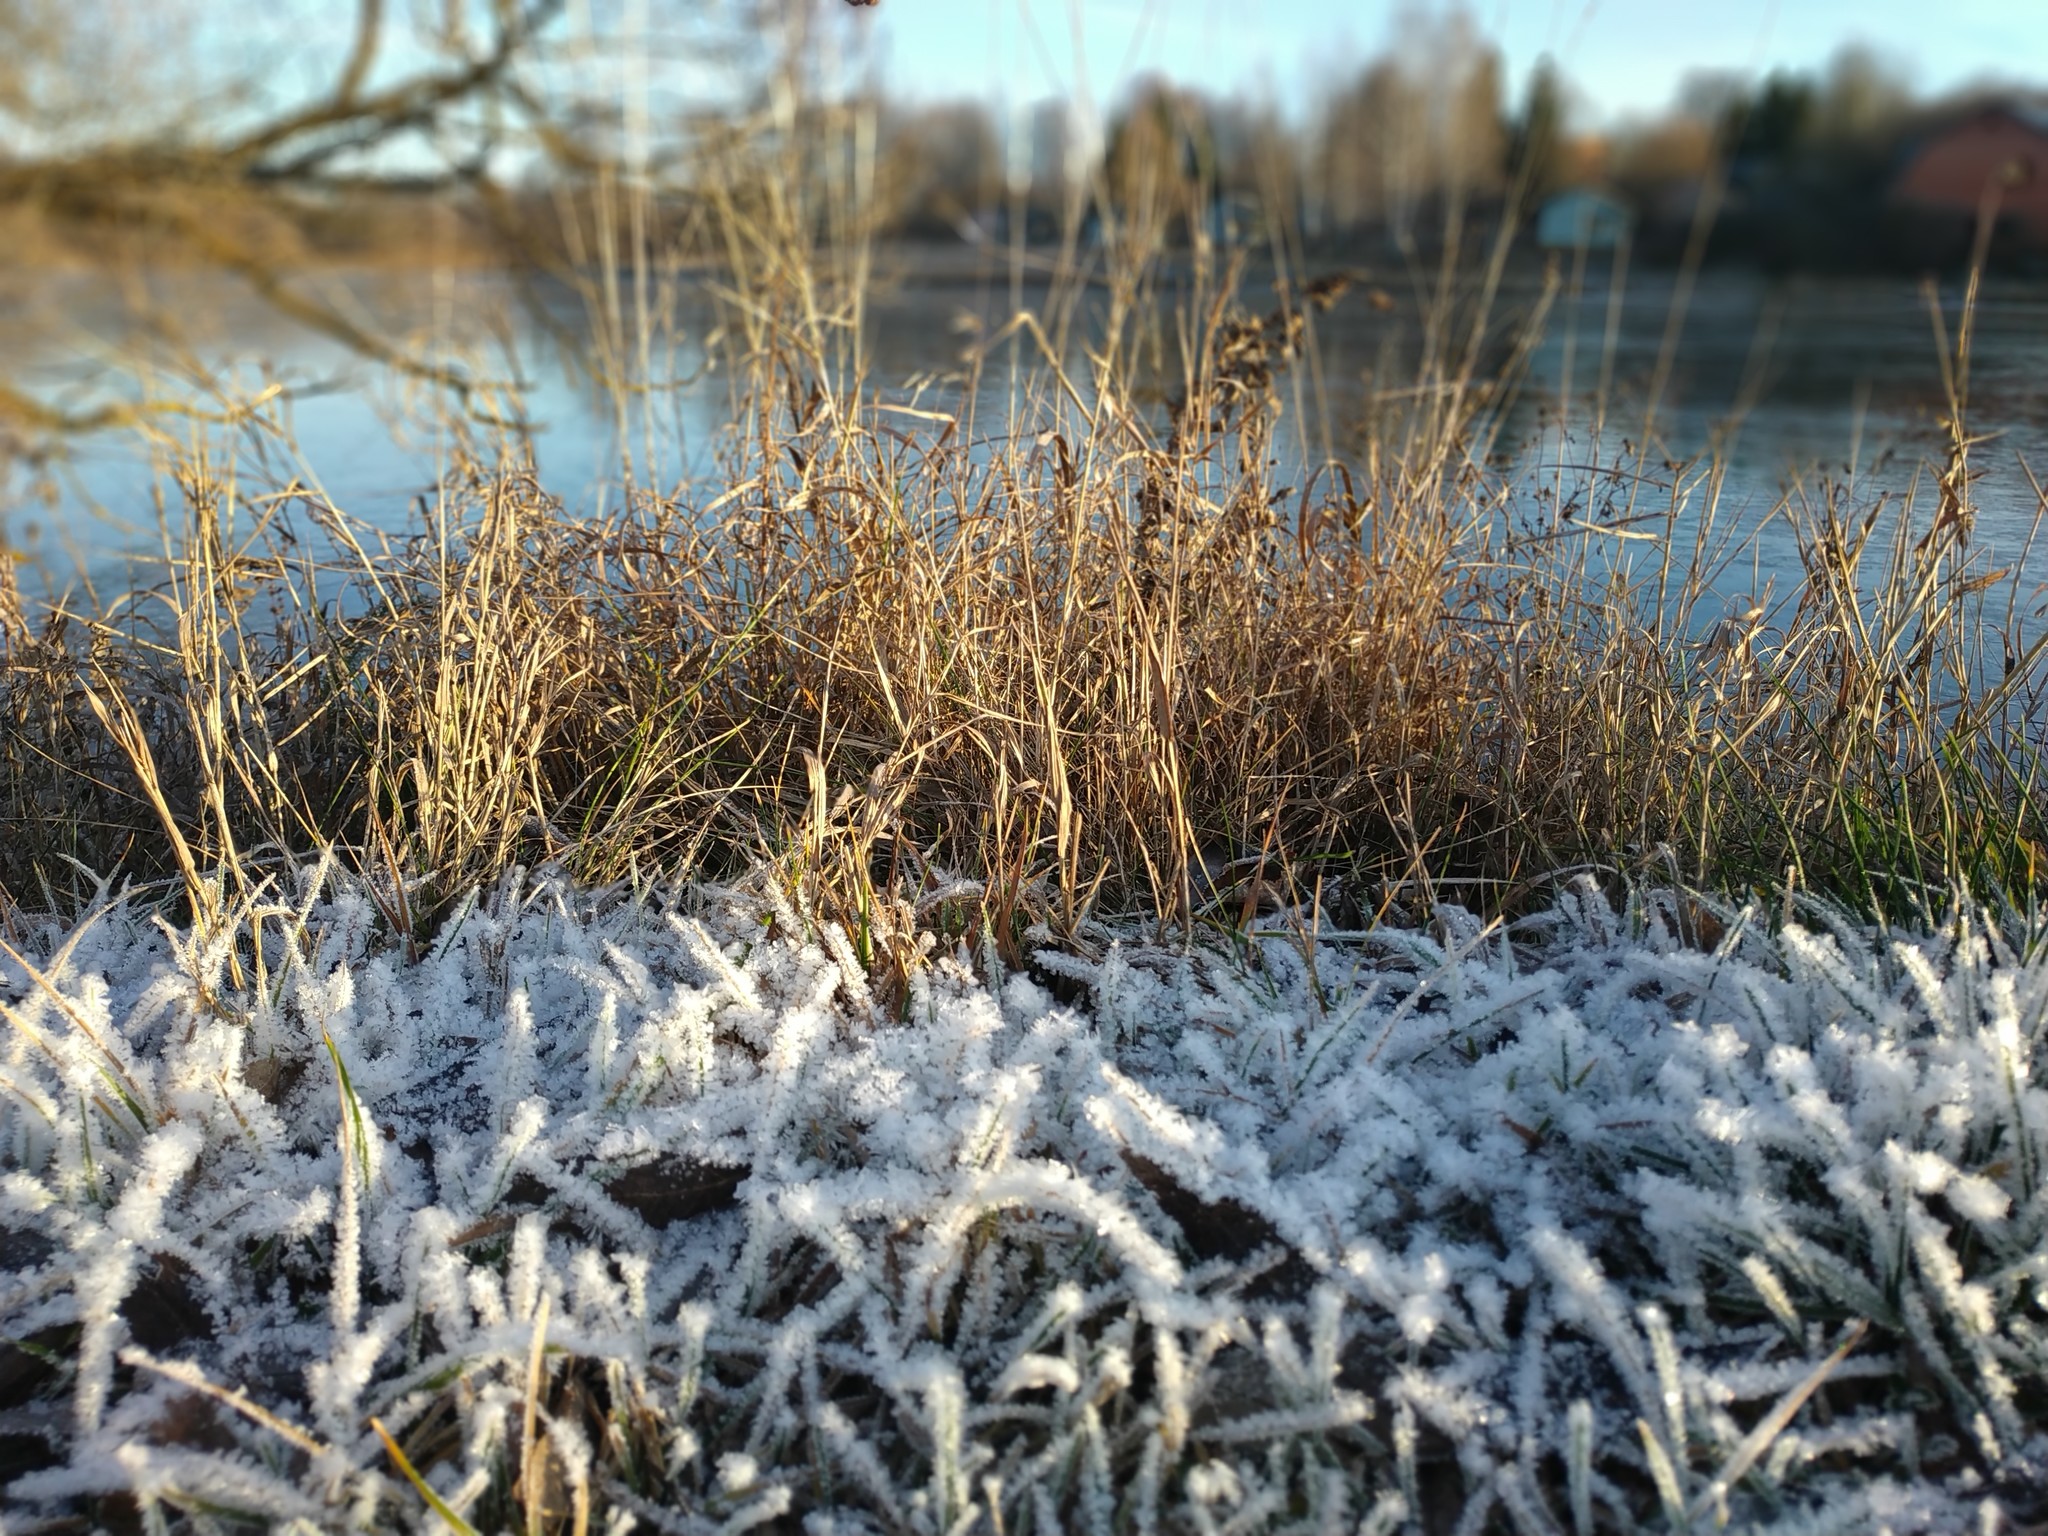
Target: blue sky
{"x": 1626, "y": 55}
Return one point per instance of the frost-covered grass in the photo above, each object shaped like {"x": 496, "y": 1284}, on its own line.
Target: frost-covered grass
{"x": 615, "y": 1214}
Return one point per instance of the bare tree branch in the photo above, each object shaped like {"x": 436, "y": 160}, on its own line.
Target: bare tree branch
{"x": 186, "y": 188}
{"x": 359, "y": 120}
{"x": 369, "y": 31}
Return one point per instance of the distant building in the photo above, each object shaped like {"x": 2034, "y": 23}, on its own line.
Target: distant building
{"x": 2001, "y": 148}
{"x": 1582, "y": 218}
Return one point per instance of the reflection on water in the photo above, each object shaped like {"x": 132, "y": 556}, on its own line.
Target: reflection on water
{"x": 1808, "y": 388}
{"x": 1796, "y": 384}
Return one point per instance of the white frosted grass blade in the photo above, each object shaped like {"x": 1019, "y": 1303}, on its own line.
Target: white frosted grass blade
{"x": 1664, "y": 1475}
{"x": 1579, "y": 1465}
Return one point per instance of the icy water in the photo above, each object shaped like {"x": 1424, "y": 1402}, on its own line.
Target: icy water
{"x": 1797, "y": 383}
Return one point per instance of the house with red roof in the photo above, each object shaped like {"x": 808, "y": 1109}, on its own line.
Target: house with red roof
{"x": 1993, "y": 159}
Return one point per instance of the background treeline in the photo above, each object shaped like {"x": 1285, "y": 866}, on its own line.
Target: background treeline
{"x": 1797, "y": 168}
{"x": 450, "y": 140}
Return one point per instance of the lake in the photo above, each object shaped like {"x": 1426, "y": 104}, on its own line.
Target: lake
{"x": 1796, "y": 382}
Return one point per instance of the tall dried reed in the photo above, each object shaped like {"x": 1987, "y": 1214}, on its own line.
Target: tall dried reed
{"x": 1092, "y": 652}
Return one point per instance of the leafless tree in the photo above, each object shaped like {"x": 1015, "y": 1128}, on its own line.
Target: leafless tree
{"x": 193, "y": 172}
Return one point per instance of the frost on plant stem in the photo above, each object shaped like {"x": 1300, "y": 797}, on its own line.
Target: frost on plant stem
{"x": 649, "y": 1218}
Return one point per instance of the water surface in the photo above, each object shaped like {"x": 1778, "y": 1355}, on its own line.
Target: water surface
{"x": 1797, "y": 386}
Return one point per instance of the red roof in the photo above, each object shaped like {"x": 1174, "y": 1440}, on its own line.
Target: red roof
{"x": 1998, "y": 154}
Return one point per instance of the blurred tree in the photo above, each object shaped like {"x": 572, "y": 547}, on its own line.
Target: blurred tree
{"x": 1161, "y": 159}
{"x": 1421, "y": 122}
{"x": 1772, "y": 125}
{"x": 1537, "y": 149}
{"x": 942, "y": 169}
{"x": 1365, "y": 144}
{"x": 1863, "y": 99}
{"x": 1474, "y": 142}
{"x": 1258, "y": 161}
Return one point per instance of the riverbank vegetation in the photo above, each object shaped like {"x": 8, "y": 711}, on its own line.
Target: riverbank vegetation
{"x": 1105, "y": 649}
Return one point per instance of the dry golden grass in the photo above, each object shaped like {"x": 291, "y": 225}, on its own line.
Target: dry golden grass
{"x": 1088, "y": 654}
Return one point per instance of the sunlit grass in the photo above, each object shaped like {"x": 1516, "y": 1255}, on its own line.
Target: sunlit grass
{"x": 1092, "y": 653}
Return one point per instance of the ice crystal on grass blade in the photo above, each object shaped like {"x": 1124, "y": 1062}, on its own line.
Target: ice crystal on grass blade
{"x": 617, "y": 1216}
